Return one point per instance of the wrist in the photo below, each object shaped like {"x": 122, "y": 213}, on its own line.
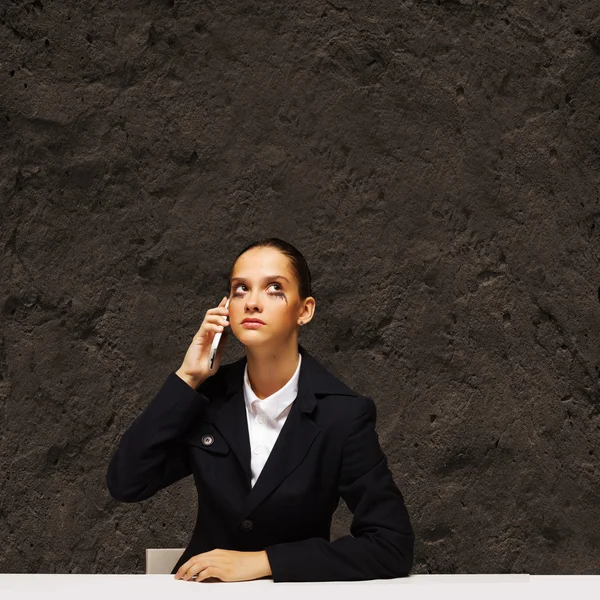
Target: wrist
{"x": 193, "y": 382}
{"x": 265, "y": 566}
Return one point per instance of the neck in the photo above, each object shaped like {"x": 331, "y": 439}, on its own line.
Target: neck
{"x": 269, "y": 368}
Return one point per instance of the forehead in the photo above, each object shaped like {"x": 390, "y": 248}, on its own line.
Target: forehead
{"x": 260, "y": 262}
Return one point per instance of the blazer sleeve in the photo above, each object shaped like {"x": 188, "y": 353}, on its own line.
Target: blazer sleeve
{"x": 381, "y": 544}
{"x": 150, "y": 455}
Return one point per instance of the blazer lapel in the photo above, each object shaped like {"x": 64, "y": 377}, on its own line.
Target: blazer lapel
{"x": 296, "y": 437}
{"x": 232, "y": 422}
{"x": 293, "y": 442}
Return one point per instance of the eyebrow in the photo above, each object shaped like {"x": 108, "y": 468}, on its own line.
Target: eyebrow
{"x": 268, "y": 277}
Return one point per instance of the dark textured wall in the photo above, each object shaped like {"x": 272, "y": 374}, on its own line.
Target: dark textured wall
{"x": 438, "y": 164}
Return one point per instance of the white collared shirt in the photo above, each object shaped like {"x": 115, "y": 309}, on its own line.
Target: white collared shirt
{"x": 266, "y": 418}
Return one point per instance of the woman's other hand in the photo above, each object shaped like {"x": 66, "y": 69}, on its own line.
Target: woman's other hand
{"x": 226, "y": 565}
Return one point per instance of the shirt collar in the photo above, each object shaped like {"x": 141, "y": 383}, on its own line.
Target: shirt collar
{"x": 276, "y": 403}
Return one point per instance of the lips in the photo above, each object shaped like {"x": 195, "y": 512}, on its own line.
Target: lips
{"x": 253, "y": 321}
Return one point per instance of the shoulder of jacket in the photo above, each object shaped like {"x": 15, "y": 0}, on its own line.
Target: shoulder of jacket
{"x": 349, "y": 408}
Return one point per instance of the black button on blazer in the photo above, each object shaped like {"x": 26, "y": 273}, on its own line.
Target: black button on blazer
{"x": 328, "y": 448}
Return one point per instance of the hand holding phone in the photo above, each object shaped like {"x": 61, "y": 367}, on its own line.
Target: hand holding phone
{"x": 203, "y": 356}
{"x": 215, "y": 343}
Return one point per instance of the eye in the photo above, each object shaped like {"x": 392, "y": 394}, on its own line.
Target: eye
{"x": 278, "y": 292}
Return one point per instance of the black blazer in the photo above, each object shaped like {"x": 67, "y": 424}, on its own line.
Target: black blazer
{"x": 327, "y": 448}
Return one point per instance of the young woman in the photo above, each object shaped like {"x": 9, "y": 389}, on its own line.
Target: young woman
{"x": 273, "y": 441}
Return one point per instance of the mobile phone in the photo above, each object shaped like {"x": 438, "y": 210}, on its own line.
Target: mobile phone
{"x": 215, "y": 343}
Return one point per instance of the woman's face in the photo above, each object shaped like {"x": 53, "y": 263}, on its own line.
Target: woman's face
{"x": 263, "y": 287}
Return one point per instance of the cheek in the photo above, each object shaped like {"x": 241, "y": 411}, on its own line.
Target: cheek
{"x": 281, "y": 312}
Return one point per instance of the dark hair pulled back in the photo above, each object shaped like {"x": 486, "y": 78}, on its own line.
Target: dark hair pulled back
{"x": 298, "y": 264}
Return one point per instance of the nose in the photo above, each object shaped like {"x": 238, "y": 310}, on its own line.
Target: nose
{"x": 252, "y": 303}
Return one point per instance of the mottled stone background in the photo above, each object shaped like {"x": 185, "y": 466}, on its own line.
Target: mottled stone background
{"x": 437, "y": 162}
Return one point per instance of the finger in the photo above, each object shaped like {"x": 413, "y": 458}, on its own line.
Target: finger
{"x": 219, "y": 309}
{"x": 219, "y": 319}
{"x": 207, "y": 573}
{"x": 196, "y": 563}
{"x": 212, "y": 326}
{"x": 218, "y": 314}
{"x": 201, "y": 563}
{"x": 183, "y": 568}
{"x": 224, "y": 307}
{"x": 216, "y": 320}
{"x": 221, "y": 304}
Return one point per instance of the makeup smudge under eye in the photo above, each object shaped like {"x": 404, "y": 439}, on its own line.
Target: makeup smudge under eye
{"x": 279, "y": 294}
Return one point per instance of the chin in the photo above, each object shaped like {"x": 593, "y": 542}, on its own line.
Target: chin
{"x": 254, "y": 338}
{"x": 254, "y": 343}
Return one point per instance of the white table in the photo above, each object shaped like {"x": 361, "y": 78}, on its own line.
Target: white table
{"x": 421, "y": 587}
